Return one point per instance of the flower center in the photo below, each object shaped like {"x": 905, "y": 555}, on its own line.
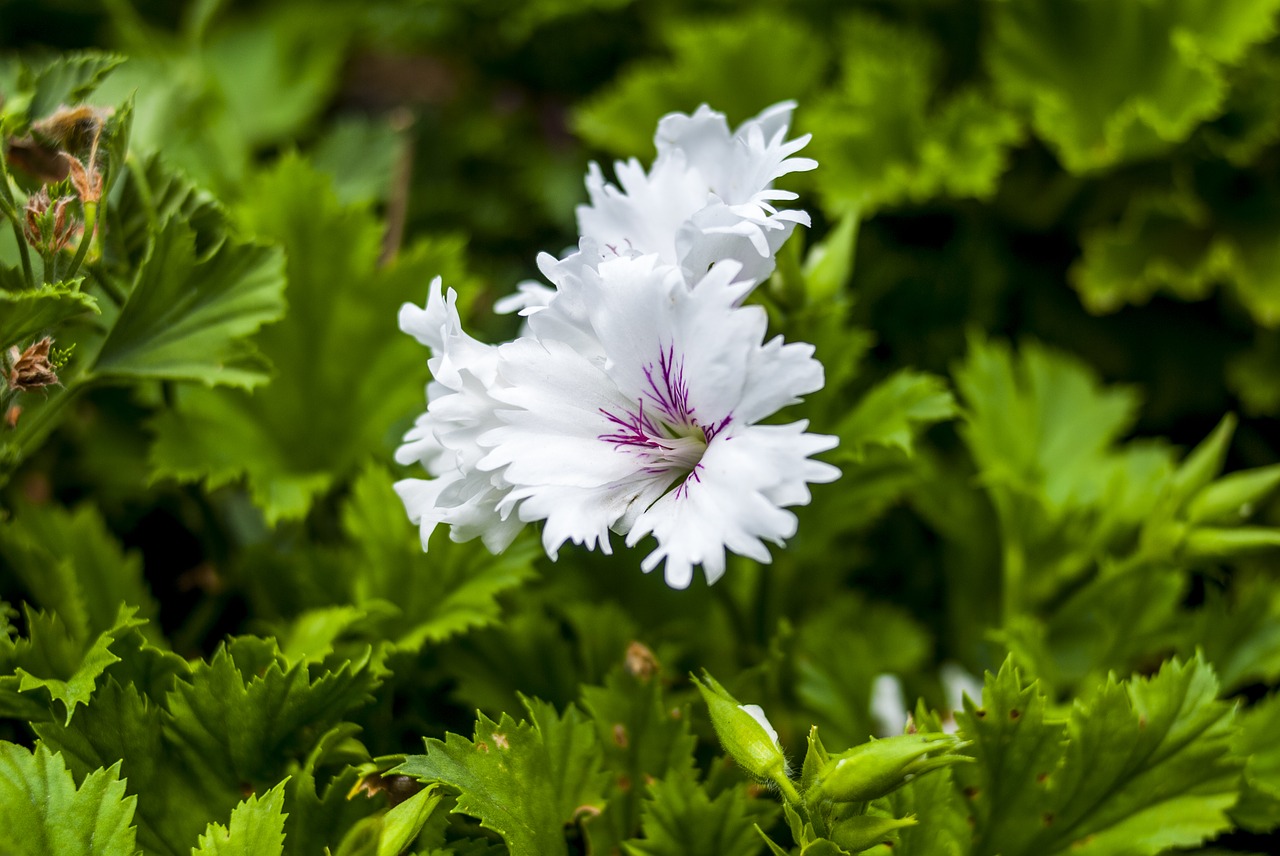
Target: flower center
{"x": 663, "y": 431}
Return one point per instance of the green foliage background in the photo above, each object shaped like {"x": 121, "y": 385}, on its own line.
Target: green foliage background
{"x": 1044, "y": 279}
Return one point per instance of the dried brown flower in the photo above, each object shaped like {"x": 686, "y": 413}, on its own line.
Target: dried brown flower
{"x": 31, "y": 369}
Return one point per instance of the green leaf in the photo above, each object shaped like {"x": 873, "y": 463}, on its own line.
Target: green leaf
{"x": 44, "y": 812}
{"x": 245, "y": 712}
{"x": 729, "y": 63}
{"x": 359, "y": 155}
{"x": 70, "y": 564}
{"x": 1203, "y": 464}
{"x": 643, "y": 737}
{"x": 342, "y": 372}
{"x": 828, "y": 266}
{"x": 942, "y": 827}
{"x": 54, "y": 659}
{"x": 68, "y": 79}
{"x": 256, "y": 828}
{"x": 1157, "y": 74}
{"x": 431, "y": 596}
{"x": 186, "y": 317}
{"x": 1186, "y": 238}
{"x": 523, "y": 780}
{"x": 895, "y": 411}
{"x": 1255, "y": 741}
{"x": 403, "y": 823}
{"x": 320, "y": 817}
{"x": 277, "y": 74}
{"x": 840, "y": 650}
{"x": 1239, "y": 633}
{"x": 121, "y": 725}
{"x": 30, "y": 313}
{"x": 682, "y": 819}
{"x": 885, "y": 136}
{"x": 151, "y": 193}
{"x": 1042, "y": 430}
{"x": 1137, "y": 768}
{"x": 1254, "y": 375}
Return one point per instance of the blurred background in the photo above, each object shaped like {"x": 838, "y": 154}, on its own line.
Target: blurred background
{"x": 1100, "y": 177}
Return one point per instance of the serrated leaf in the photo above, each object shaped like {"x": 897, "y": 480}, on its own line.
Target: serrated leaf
{"x": 342, "y": 372}
{"x": 256, "y": 828}
{"x": 52, "y": 658}
{"x": 29, "y": 313}
{"x": 44, "y": 812}
{"x": 431, "y": 596}
{"x": 1187, "y": 239}
{"x": 241, "y": 715}
{"x": 681, "y": 819}
{"x": 174, "y": 801}
{"x": 321, "y": 815}
{"x": 523, "y": 780}
{"x": 642, "y": 737}
{"x": 1043, "y": 432}
{"x": 1137, "y": 768}
{"x": 68, "y": 79}
{"x": 885, "y": 136}
{"x": 1157, "y": 74}
{"x": 942, "y": 827}
{"x": 895, "y": 411}
{"x": 186, "y": 318}
{"x": 151, "y": 193}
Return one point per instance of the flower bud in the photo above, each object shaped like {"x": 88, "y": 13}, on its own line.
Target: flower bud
{"x": 47, "y": 226}
{"x": 745, "y": 732}
{"x": 861, "y": 832}
{"x": 870, "y": 771}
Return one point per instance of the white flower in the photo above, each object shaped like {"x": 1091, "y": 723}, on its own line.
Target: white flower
{"x": 708, "y": 197}
{"x": 633, "y": 407}
{"x": 443, "y": 440}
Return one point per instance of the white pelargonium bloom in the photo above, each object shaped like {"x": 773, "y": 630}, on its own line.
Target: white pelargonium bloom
{"x": 634, "y": 406}
{"x": 443, "y": 439}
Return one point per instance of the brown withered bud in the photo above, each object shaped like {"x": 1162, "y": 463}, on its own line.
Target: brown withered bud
{"x": 641, "y": 662}
{"x": 72, "y": 129}
{"x": 31, "y": 369}
{"x": 48, "y": 227}
{"x": 11, "y": 416}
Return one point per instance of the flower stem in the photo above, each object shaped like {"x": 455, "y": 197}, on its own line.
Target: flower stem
{"x": 23, "y": 251}
{"x": 85, "y": 239}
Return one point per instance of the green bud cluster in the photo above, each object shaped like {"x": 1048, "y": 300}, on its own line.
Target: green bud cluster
{"x": 832, "y": 800}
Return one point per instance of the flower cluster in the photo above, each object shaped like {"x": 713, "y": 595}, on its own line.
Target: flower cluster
{"x": 631, "y": 401}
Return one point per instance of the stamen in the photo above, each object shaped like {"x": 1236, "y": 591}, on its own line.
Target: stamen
{"x": 669, "y": 439}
